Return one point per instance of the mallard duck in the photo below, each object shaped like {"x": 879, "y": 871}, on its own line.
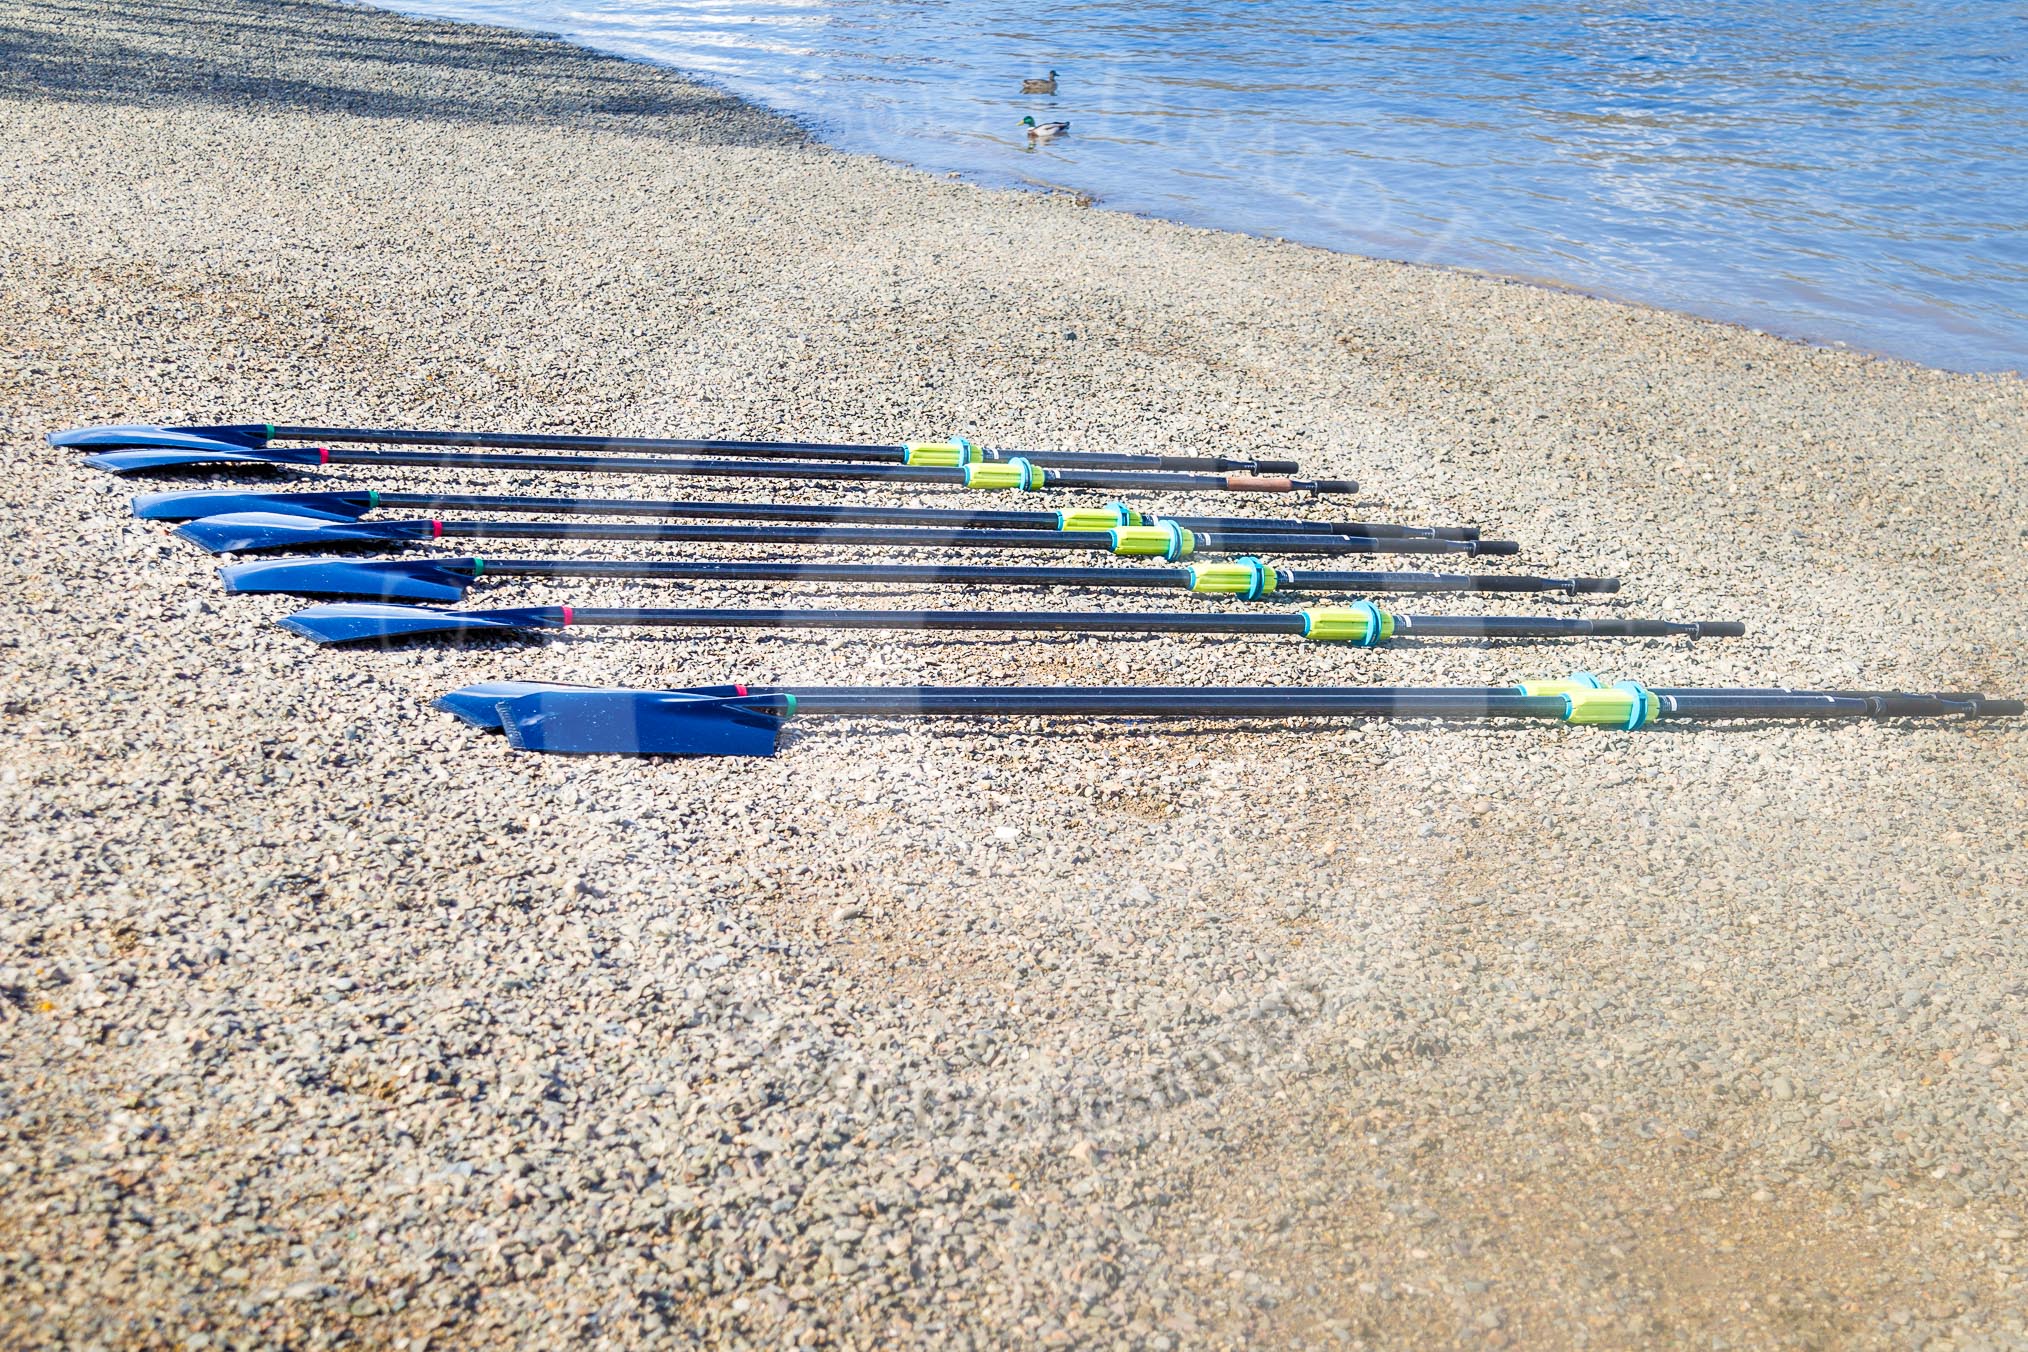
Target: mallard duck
{"x": 1044, "y": 131}
{"x": 1047, "y": 86}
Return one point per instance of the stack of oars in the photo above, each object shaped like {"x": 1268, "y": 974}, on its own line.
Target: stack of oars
{"x": 1218, "y": 555}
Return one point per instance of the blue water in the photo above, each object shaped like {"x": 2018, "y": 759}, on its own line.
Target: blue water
{"x": 1851, "y": 173}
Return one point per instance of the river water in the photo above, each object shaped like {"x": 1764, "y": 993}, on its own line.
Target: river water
{"x": 1835, "y": 172}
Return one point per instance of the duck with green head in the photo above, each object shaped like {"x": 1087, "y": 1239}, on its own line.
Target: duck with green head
{"x": 1044, "y": 131}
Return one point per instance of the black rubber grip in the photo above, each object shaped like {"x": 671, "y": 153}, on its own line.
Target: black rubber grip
{"x": 1594, "y": 584}
{"x": 1923, "y": 706}
{"x": 1495, "y": 547}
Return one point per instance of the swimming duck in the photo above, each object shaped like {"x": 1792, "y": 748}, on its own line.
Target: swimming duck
{"x": 1047, "y": 86}
{"x": 1045, "y": 131}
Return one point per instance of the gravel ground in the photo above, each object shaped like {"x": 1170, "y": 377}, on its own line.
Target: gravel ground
{"x": 324, "y": 1019}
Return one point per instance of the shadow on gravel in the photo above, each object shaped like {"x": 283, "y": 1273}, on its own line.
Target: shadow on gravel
{"x": 319, "y": 57}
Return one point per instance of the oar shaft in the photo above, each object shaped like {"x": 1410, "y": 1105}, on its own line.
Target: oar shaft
{"x": 1404, "y": 702}
{"x": 1294, "y": 622}
{"x": 990, "y": 575}
{"x": 925, "y": 573}
{"x": 745, "y": 721}
{"x": 435, "y": 578}
{"x": 1381, "y": 702}
{"x": 809, "y": 450}
{"x": 924, "y": 537}
{"x": 1093, "y": 622}
{"x": 956, "y": 476}
{"x": 898, "y": 536}
{"x": 955, "y": 517}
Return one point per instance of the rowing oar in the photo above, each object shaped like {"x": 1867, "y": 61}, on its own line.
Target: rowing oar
{"x": 951, "y": 451}
{"x": 1245, "y": 578}
{"x": 241, "y": 532}
{"x": 738, "y": 720}
{"x": 1007, "y": 474}
{"x": 352, "y": 504}
{"x": 1363, "y": 624}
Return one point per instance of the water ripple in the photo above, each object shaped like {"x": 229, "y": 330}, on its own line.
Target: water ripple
{"x": 1833, "y": 172}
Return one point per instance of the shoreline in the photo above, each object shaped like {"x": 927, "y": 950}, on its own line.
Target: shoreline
{"x": 324, "y": 1017}
{"x": 807, "y": 127}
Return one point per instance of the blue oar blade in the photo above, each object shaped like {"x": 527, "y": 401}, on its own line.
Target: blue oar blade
{"x": 637, "y": 723}
{"x": 385, "y": 579}
{"x": 191, "y": 504}
{"x": 145, "y": 434}
{"x": 375, "y": 622}
{"x": 480, "y": 704}
{"x": 237, "y": 532}
{"x": 141, "y": 460}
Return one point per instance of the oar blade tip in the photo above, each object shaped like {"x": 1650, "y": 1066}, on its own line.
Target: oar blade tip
{"x": 196, "y": 504}
{"x": 138, "y": 435}
{"x": 244, "y": 532}
{"x": 144, "y": 461}
{"x": 378, "y": 622}
{"x": 480, "y": 704}
{"x": 377, "y": 579}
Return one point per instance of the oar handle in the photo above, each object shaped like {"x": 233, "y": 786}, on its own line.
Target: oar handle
{"x": 1222, "y": 542}
{"x": 1508, "y": 626}
{"x": 1311, "y": 580}
{"x": 1375, "y": 530}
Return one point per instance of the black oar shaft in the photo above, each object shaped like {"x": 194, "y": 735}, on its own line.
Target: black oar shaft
{"x": 956, "y": 517}
{"x": 925, "y": 537}
{"x": 1097, "y": 622}
{"x": 1404, "y": 702}
{"x": 1301, "y": 580}
{"x": 927, "y": 573}
{"x": 811, "y": 450}
{"x": 1126, "y": 622}
{"x": 809, "y": 470}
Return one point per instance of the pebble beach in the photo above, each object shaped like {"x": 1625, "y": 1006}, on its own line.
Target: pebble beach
{"x": 327, "y": 1020}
